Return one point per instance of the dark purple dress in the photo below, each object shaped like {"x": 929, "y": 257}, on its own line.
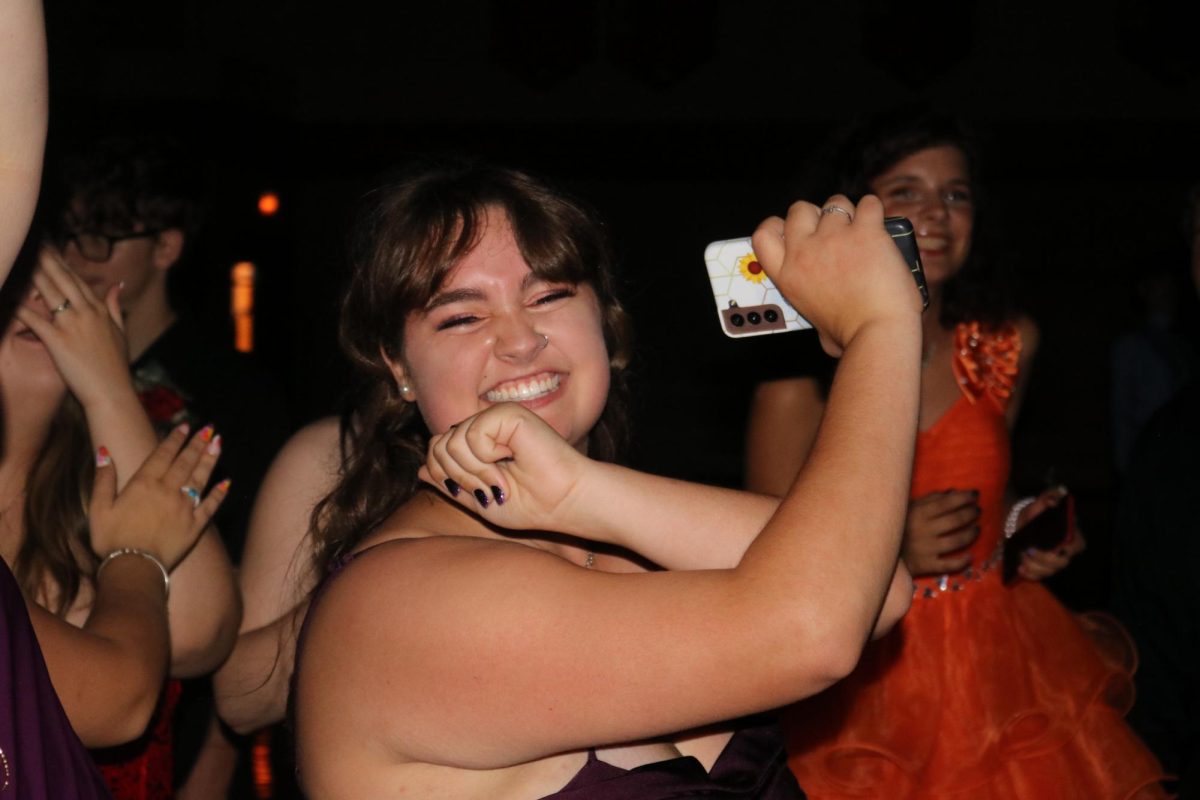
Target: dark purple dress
{"x": 753, "y": 765}
{"x": 41, "y": 758}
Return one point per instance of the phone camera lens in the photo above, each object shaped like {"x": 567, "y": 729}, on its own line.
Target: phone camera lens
{"x": 738, "y": 320}
{"x": 771, "y": 315}
{"x": 754, "y": 318}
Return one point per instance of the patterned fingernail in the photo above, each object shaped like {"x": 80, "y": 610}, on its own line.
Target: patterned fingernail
{"x": 103, "y": 457}
{"x": 206, "y": 433}
{"x": 498, "y": 493}
{"x": 452, "y": 487}
{"x": 214, "y": 447}
{"x": 482, "y": 497}
{"x": 223, "y": 486}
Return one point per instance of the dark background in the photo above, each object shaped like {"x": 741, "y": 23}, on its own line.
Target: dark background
{"x": 681, "y": 123}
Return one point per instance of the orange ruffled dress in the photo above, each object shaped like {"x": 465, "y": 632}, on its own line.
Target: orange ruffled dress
{"x": 982, "y": 691}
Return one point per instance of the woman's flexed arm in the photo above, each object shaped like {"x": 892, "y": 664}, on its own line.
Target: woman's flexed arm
{"x": 548, "y": 657}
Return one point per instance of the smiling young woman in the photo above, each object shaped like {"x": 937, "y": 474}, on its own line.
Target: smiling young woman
{"x": 494, "y": 632}
{"x": 985, "y": 688}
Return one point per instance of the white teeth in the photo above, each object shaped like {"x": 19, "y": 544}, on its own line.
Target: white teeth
{"x": 524, "y": 390}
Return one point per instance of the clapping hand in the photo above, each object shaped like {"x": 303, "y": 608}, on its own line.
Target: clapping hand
{"x": 161, "y": 510}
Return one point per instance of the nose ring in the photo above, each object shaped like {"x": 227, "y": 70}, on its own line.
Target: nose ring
{"x": 545, "y": 341}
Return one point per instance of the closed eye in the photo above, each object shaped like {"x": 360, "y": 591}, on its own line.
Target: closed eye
{"x": 554, "y": 295}
{"x": 454, "y": 322}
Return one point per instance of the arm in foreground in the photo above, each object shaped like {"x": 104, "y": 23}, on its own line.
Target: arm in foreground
{"x": 108, "y": 674}
{"x": 23, "y": 113}
{"x": 251, "y": 687}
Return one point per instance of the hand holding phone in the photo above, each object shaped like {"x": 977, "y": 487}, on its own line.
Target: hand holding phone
{"x": 749, "y": 304}
{"x": 1049, "y": 530}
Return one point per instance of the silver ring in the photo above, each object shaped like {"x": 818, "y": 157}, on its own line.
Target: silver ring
{"x": 61, "y": 307}
{"x": 834, "y": 209}
{"x": 545, "y": 340}
{"x": 192, "y": 493}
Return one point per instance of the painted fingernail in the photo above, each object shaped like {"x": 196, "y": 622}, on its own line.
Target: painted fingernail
{"x": 223, "y": 486}
{"x": 183, "y": 428}
{"x": 482, "y": 497}
{"x": 975, "y": 493}
{"x": 206, "y": 433}
{"x": 214, "y": 447}
{"x": 452, "y": 487}
{"x": 498, "y": 493}
{"x": 103, "y": 457}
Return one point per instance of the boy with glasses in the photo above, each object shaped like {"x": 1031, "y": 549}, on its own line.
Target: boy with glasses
{"x": 125, "y": 212}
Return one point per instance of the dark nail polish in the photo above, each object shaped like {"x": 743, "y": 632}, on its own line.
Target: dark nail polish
{"x": 452, "y": 487}
{"x": 498, "y": 494}
{"x": 482, "y": 497}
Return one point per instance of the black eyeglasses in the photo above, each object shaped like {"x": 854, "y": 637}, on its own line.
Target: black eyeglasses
{"x": 98, "y": 247}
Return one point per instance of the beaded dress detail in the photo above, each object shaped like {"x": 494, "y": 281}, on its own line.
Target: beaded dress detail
{"x": 983, "y": 690}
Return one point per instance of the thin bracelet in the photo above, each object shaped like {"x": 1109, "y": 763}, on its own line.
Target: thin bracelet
{"x": 1014, "y": 513}
{"x": 133, "y": 551}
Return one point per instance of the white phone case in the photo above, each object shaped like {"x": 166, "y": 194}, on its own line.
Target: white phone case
{"x": 748, "y": 304}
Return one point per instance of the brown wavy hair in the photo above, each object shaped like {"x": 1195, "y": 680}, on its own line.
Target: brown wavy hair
{"x": 410, "y": 235}
{"x": 57, "y": 491}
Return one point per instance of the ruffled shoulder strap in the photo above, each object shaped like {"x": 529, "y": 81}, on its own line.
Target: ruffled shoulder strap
{"x": 985, "y": 361}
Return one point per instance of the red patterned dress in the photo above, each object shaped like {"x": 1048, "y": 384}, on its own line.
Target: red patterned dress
{"x": 983, "y": 690}
{"x": 144, "y": 768}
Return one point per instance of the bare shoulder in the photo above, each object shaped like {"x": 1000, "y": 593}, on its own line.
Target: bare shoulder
{"x": 316, "y": 444}
{"x": 1030, "y": 337}
{"x": 407, "y": 618}
{"x": 400, "y": 567}
{"x": 272, "y": 574}
{"x": 301, "y": 474}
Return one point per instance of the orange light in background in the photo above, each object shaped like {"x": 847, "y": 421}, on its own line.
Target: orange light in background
{"x": 268, "y": 204}
{"x": 241, "y": 305}
{"x": 264, "y": 788}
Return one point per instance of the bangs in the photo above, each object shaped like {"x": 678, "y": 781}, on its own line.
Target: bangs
{"x": 417, "y": 227}
{"x": 554, "y": 248}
